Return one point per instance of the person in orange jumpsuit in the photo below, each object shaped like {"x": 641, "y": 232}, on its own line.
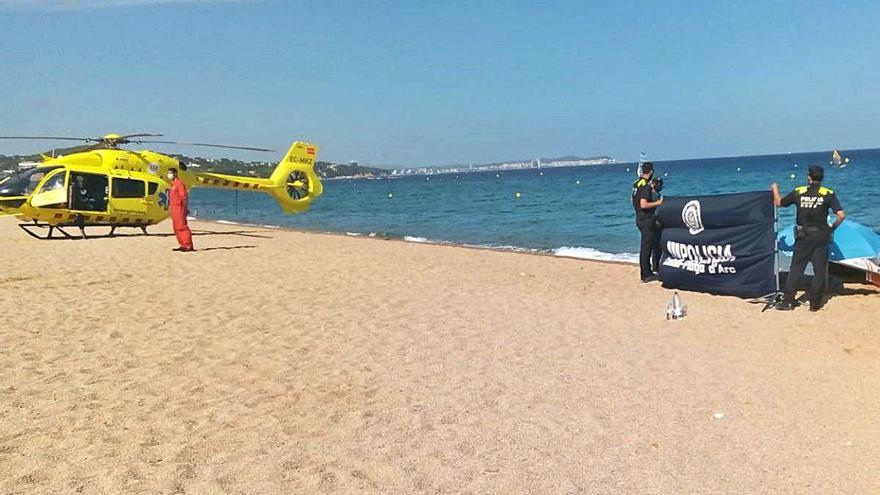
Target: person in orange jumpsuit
{"x": 179, "y": 203}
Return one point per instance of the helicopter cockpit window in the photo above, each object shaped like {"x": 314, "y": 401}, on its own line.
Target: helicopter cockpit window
{"x": 51, "y": 194}
{"x": 153, "y": 186}
{"x": 24, "y": 183}
{"x": 128, "y": 188}
{"x": 55, "y": 182}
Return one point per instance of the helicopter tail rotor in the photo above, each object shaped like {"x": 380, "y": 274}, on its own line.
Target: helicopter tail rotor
{"x": 294, "y": 179}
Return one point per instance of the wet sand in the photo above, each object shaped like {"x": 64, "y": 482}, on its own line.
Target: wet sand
{"x": 272, "y": 361}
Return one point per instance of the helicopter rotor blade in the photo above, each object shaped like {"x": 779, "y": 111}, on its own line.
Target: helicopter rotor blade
{"x": 128, "y": 139}
{"x": 129, "y": 136}
{"x": 53, "y": 138}
{"x": 138, "y": 141}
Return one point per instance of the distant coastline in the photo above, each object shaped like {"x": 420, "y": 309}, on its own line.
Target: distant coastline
{"x": 538, "y": 163}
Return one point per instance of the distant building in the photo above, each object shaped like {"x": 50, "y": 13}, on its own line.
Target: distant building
{"x": 353, "y": 163}
{"x": 27, "y": 165}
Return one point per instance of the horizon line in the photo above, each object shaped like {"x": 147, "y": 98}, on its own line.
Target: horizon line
{"x": 393, "y": 167}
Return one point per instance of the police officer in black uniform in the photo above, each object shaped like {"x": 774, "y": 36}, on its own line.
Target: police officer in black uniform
{"x": 656, "y": 251}
{"x": 812, "y": 235}
{"x": 644, "y": 207}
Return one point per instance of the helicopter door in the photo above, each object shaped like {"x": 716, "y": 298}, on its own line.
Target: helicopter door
{"x": 52, "y": 194}
{"x": 87, "y": 192}
{"x": 128, "y": 196}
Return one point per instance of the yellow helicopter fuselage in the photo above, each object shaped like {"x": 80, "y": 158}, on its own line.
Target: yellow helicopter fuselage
{"x": 117, "y": 187}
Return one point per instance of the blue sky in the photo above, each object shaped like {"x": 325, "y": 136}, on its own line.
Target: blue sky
{"x": 430, "y": 82}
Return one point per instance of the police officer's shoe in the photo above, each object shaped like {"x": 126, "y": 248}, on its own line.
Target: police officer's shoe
{"x": 816, "y": 305}
{"x": 786, "y": 305}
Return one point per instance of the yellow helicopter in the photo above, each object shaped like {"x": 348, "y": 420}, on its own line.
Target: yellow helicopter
{"x": 106, "y": 186}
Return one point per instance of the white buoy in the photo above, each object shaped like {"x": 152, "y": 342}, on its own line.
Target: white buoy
{"x": 627, "y": 169}
{"x": 738, "y": 169}
{"x": 795, "y": 165}
{"x": 518, "y": 195}
{"x": 497, "y": 175}
{"x": 390, "y": 195}
{"x": 577, "y": 182}
{"x": 541, "y": 174}
{"x": 792, "y": 176}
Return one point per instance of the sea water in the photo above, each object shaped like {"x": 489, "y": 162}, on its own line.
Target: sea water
{"x": 575, "y": 211}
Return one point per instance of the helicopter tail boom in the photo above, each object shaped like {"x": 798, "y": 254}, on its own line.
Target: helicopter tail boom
{"x": 293, "y": 183}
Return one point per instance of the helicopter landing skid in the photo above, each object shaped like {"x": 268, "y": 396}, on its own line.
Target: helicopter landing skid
{"x": 27, "y": 227}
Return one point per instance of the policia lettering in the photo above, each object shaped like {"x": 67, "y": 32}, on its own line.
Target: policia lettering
{"x": 644, "y": 203}
{"x": 812, "y": 236}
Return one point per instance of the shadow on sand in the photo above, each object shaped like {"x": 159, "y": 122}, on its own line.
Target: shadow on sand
{"x": 835, "y": 288}
{"x": 224, "y": 248}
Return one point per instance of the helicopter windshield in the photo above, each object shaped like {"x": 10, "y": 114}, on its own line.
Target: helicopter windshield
{"x": 23, "y": 184}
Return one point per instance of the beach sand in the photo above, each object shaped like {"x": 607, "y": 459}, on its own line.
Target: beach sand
{"x": 272, "y": 361}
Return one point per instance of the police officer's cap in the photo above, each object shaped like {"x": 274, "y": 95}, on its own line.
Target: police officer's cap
{"x": 817, "y": 173}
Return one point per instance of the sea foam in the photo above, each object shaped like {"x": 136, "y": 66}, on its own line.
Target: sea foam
{"x": 588, "y": 253}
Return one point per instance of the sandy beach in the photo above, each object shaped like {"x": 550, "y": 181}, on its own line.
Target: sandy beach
{"x": 272, "y": 361}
